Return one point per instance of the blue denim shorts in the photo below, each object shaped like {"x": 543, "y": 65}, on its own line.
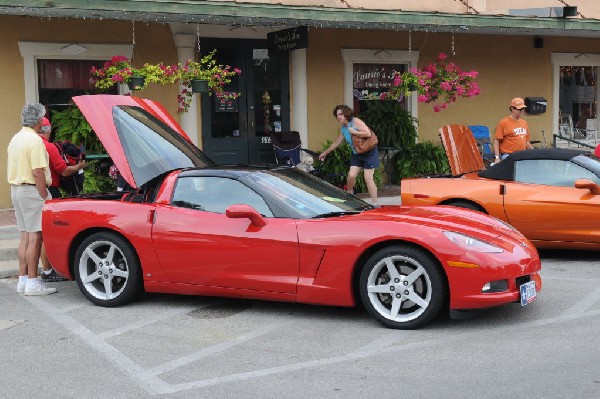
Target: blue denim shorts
{"x": 367, "y": 160}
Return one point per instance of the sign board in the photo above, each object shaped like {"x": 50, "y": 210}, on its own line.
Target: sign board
{"x": 288, "y": 39}
{"x": 370, "y": 80}
{"x": 226, "y": 103}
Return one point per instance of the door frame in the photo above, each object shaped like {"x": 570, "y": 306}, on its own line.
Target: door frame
{"x": 246, "y": 106}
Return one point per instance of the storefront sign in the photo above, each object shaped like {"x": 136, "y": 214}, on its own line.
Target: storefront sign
{"x": 225, "y": 103}
{"x": 288, "y": 39}
{"x": 371, "y": 80}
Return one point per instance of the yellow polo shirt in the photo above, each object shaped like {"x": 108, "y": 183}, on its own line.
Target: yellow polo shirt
{"x": 26, "y": 152}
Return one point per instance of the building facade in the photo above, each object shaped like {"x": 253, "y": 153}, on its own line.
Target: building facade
{"x": 550, "y": 51}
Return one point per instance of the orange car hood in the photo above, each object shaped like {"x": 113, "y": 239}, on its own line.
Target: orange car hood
{"x": 461, "y": 149}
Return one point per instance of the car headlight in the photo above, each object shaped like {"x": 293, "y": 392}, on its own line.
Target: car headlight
{"x": 471, "y": 244}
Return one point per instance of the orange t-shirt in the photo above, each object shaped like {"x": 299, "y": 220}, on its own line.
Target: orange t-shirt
{"x": 513, "y": 135}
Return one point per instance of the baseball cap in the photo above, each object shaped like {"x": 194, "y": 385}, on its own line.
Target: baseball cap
{"x": 518, "y": 103}
{"x": 46, "y": 125}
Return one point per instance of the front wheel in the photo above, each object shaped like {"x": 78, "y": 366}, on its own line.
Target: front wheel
{"x": 403, "y": 287}
{"x": 107, "y": 270}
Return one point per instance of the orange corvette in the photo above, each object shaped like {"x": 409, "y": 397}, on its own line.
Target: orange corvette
{"x": 552, "y": 195}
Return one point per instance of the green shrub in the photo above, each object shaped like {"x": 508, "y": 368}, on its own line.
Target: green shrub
{"x": 421, "y": 159}
{"x": 336, "y": 165}
{"x": 70, "y": 124}
{"x": 395, "y": 127}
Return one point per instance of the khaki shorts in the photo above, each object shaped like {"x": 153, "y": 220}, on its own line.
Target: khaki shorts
{"x": 28, "y": 207}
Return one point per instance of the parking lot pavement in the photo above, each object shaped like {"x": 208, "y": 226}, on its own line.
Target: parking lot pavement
{"x": 178, "y": 346}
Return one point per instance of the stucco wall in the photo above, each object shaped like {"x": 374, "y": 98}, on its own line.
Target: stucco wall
{"x": 508, "y": 66}
{"x": 154, "y": 43}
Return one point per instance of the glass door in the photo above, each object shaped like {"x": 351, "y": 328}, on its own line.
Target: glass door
{"x": 237, "y": 131}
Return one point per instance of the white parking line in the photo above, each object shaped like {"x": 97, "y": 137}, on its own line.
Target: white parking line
{"x": 584, "y": 304}
{"x": 145, "y": 322}
{"x": 389, "y": 342}
{"x": 213, "y": 349}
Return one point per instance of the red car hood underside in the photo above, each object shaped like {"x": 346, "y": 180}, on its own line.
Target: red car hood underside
{"x": 97, "y": 109}
{"x": 461, "y": 149}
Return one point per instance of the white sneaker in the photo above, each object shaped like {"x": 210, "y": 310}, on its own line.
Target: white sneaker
{"x": 38, "y": 287}
{"x": 21, "y": 286}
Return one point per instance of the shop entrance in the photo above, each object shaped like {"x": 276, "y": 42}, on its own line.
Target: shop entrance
{"x": 237, "y": 131}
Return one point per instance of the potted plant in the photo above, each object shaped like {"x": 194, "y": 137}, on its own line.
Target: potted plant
{"x": 439, "y": 83}
{"x": 118, "y": 70}
{"x": 204, "y": 76}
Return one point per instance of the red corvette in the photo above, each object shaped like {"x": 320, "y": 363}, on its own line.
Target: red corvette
{"x": 272, "y": 233}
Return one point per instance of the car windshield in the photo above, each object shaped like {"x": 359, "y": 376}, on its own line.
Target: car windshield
{"x": 303, "y": 195}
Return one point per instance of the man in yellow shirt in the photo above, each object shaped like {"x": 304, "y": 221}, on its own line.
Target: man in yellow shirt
{"x": 512, "y": 133}
{"x": 28, "y": 174}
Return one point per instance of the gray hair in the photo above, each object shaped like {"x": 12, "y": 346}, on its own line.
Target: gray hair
{"x": 32, "y": 113}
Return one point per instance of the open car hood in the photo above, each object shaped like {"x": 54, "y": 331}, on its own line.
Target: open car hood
{"x": 461, "y": 149}
{"x": 140, "y": 136}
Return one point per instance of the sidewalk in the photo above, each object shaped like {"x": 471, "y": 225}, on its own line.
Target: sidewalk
{"x": 9, "y": 235}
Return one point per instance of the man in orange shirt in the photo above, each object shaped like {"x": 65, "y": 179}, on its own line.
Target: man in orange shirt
{"x": 512, "y": 133}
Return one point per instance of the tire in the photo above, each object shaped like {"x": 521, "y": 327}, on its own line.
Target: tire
{"x": 411, "y": 295}
{"x": 107, "y": 270}
{"x": 467, "y": 205}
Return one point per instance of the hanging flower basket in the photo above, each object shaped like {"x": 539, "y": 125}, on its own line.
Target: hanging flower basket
{"x": 199, "y": 86}
{"x": 136, "y": 82}
{"x": 439, "y": 83}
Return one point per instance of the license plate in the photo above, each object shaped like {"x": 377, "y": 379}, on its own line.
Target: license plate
{"x": 528, "y": 293}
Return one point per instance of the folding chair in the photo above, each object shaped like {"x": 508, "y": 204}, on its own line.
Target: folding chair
{"x": 482, "y": 138}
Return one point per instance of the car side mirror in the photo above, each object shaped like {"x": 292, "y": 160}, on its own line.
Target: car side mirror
{"x": 246, "y": 211}
{"x": 590, "y": 185}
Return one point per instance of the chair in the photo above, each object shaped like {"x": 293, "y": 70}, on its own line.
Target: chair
{"x": 482, "y": 138}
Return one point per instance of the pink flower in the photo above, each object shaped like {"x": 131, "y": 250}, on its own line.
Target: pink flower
{"x": 446, "y": 86}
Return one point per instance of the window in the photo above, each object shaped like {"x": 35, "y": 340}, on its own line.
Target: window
{"x": 551, "y": 172}
{"x": 60, "y": 80}
{"x": 576, "y": 89}
{"x": 215, "y": 194}
{"x": 370, "y": 81}
{"x": 368, "y": 73}
{"x": 33, "y": 51}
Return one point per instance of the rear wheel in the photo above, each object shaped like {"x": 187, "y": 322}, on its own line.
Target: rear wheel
{"x": 107, "y": 270}
{"x": 402, "y": 287}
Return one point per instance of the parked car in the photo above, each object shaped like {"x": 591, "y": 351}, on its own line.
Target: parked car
{"x": 551, "y": 195}
{"x": 269, "y": 232}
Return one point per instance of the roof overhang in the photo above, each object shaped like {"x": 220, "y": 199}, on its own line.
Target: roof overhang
{"x": 277, "y": 15}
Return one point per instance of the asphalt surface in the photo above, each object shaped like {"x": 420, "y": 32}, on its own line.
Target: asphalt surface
{"x": 167, "y": 346}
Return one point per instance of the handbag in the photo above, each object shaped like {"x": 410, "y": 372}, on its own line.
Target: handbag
{"x": 364, "y": 144}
